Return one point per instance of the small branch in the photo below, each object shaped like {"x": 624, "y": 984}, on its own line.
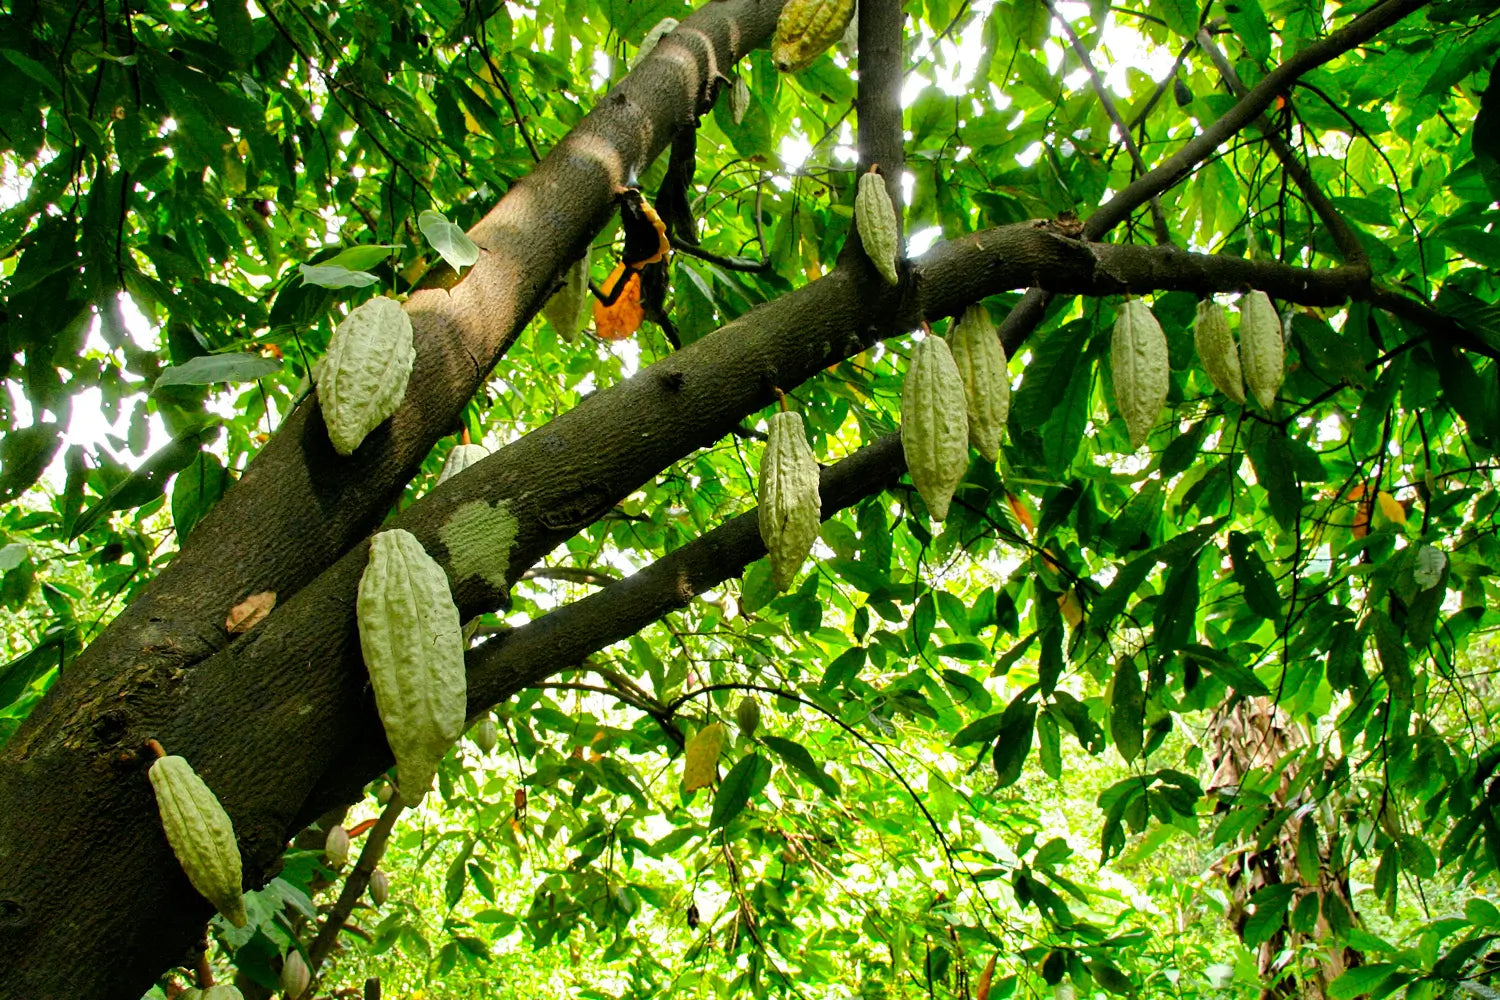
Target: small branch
{"x": 355, "y": 884}
{"x": 570, "y": 574}
{"x": 742, "y": 264}
{"x": 1158, "y": 217}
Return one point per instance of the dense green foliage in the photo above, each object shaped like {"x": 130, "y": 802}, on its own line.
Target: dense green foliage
{"x": 1047, "y": 728}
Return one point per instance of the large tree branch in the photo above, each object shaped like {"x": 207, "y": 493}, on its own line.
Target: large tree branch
{"x": 308, "y": 505}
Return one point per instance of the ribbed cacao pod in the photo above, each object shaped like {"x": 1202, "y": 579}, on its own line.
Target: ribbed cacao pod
{"x": 413, "y": 646}
{"x": 486, "y": 735}
{"x": 295, "y": 975}
{"x": 1262, "y": 351}
{"x": 984, "y": 371}
{"x": 380, "y": 887}
{"x": 875, "y": 216}
{"x": 1138, "y": 355}
{"x": 336, "y": 847}
{"x": 790, "y": 510}
{"x": 567, "y": 309}
{"x": 201, "y": 835}
{"x": 1217, "y": 351}
{"x": 934, "y": 424}
{"x": 805, "y": 28}
{"x": 747, "y": 716}
{"x": 362, "y": 379}
{"x": 460, "y": 457}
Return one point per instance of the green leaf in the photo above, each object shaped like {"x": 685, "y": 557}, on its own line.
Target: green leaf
{"x": 743, "y": 780}
{"x": 24, "y": 455}
{"x": 1127, "y": 703}
{"x": 210, "y": 368}
{"x": 1014, "y": 740}
{"x": 1251, "y": 574}
{"x": 449, "y": 240}
{"x": 797, "y": 756}
{"x": 332, "y": 276}
{"x": 1362, "y": 980}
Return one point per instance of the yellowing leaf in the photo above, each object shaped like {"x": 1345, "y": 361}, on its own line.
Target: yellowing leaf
{"x": 703, "y": 757}
{"x": 985, "y": 978}
{"x": 247, "y": 614}
{"x": 1391, "y": 507}
{"x": 1072, "y": 611}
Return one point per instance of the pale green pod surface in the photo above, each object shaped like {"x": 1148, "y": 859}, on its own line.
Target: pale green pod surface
{"x": 460, "y": 458}
{"x": 567, "y": 309}
{"x": 1217, "y": 351}
{"x": 876, "y": 217}
{"x": 201, "y": 835}
{"x": 223, "y": 992}
{"x": 934, "y": 424}
{"x": 1262, "y": 351}
{"x": 1138, "y": 355}
{"x": 362, "y": 379}
{"x": 790, "y": 508}
{"x": 486, "y": 734}
{"x": 413, "y": 646}
{"x": 984, "y": 370}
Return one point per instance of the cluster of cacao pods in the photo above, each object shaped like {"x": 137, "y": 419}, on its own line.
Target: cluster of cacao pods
{"x": 805, "y": 28}
{"x": 362, "y": 379}
{"x": 790, "y": 508}
{"x": 201, "y": 835}
{"x": 412, "y": 640}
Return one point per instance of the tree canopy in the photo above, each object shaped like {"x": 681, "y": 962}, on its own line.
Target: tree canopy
{"x": 1195, "y": 705}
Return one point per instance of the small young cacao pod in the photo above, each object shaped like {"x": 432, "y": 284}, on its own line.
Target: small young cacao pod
{"x": 362, "y": 379}
{"x": 380, "y": 887}
{"x": 747, "y": 716}
{"x": 295, "y": 975}
{"x": 336, "y": 847}
{"x": 384, "y": 792}
{"x": 790, "y": 510}
{"x": 1217, "y": 351}
{"x": 739, "y": 98}
{"x": 201, "y": 835}
{"x": 934, "y": 424}
{"x": 460, "y": 457}
{"x": 805, "y": 28}
{"x": 1138, "y": 355}
{"x": 1262, "y": 351}
{"x": 567, "y": 309}
{"x": 486, "y": 735}
{"x": 413, "y": 646}
{"x": 875, "y": 216}
{"x": 983, "y": 368}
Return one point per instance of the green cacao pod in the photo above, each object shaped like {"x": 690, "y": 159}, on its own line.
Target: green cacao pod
{"x": 876, "y": 217}
{"x": 567, "y": 309}
{"x": 201, "y": 835}
{"x": 362, "y": 379}
{"x": 413, "y": 646}
{"x": 486, "y": 735}
{"x": 380, "y": 887}
{"x": 934, "y": 424}
{"x": 1261, "y": 347}
{"x": 1217, "y": 351}
{"x": 223, "y": 992}
{"x": 295, "y": 975}
{"x": 747, "y": 716}
{"x": 336, "y": 847}
{"x": 1138, "y": 354}
{"x": 790, "y": 509}
{"x": 985, "y": 373}
{"x": 460, "y": 457}
{"x": 805, "y": 28}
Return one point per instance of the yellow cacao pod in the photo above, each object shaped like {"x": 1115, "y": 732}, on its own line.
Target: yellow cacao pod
{"x": 876, "y": 218}
{"x": 1138, "y": 355}
{"x": 380, "y": 887}
{"x": 295, "y": 975}
{"x": 985, "y": 373}
{"x": 460, "y": 458}
{"x": 790, "y": 510}
{"x": 201, "y": 835}
{"x": 486, "y": 735}
{"x": 934, "y": 424}
{"x": 413, "y": 646}
{"x": 1217, "y": 350}
{"x": 362, "y": 379}
{"x": 1261, "y": 348}
{"x": 805, "y": 28}
{"x": 567, "y": 309}
{"x": 747, "y": 716}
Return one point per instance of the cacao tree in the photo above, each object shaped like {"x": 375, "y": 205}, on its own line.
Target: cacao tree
{"x": 196, "y": 196}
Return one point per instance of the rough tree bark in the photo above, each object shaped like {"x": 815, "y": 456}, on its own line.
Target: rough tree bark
{"x": 280, "y": 722}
